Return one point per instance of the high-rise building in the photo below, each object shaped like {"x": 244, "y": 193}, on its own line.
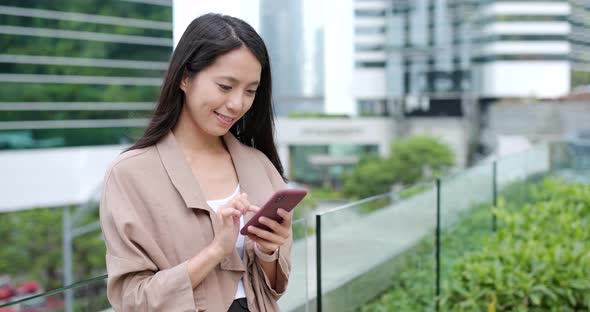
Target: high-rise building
{"x": 80, "y": 72}
{"x": 410, "y": 53}
{"x": 427, "y": 55}
{"x": 371, "y": 46}
{"x": 522, "y": 49}
{"x": 297, "y": 80}
{"x": 579, "y": 19}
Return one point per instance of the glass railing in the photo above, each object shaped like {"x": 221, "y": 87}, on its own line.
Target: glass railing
{"x": 410, "y": 240}
{"x": 464, "y": 200}
{"x": 363, "y": 252}
{"x": 362, "y": 246}
{"x": 90, "y": 295}
{"x": 296, "y": 298}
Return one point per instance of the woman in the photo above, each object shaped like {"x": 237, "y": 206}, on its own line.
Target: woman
{"x": 173, "y": 203}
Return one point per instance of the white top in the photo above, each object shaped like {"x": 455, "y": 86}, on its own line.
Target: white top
{"x": 215, "y": 204}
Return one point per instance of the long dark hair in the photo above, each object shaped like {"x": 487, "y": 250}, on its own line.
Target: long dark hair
{"x": 205, "y": 39}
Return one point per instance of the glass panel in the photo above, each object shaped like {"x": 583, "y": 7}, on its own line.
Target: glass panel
{"x": 90, "y": 295}
{"x": 517, "y": 172}
{"x": 571, "y": 160}
{"x": 466, "y": 215}
{"x": 468, "y": 189}
{"x": 380, "y": 249}
{"x": 296, "y": 297}
{"x": 511, "y": 175}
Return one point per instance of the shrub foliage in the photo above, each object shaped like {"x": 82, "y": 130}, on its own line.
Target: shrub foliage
{"x": 539, "y": 260}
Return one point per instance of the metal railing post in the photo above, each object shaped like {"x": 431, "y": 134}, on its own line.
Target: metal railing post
{"x": 494, "y": 193}
{"x": 67, "y": 258}
{"x": 437, "y": 244}
{"x": 318, "y": 246}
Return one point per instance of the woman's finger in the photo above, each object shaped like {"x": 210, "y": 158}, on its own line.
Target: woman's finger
{"x": 239, "y": 205}
{"x": 253, "y": 208}
{"x": 230, "y": 212}
{"x": 277, "y": 228}
{"x": 287, "y": 216}
{"x": 264, "y": 243}
{"x": 269, "y": 236}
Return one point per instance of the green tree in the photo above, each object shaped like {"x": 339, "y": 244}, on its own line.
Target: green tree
{"x": 371, "y": 176}
{"x": 579, "y": 78}
{"x": 419, "y": 158}
{"x": 411, "y": 160}
{"x": 31, "y": 247}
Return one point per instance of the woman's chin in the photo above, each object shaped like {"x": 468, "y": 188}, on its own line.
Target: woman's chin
{"x": 218, "y": 131}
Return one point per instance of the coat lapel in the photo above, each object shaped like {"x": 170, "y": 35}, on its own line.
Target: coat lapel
{"x": 180, "y": 173}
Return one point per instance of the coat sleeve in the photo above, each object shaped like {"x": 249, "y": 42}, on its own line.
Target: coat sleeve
{"x": 135, "y": 282}
{"x": 284, "y": 256}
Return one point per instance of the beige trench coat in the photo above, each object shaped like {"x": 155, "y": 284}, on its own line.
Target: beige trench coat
{"x": 154, "y": 218}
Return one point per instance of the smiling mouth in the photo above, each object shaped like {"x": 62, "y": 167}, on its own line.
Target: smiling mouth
{"x": 225, "y": 118}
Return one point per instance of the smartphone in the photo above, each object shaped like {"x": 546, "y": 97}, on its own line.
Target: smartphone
{"x": 286, "y": 199}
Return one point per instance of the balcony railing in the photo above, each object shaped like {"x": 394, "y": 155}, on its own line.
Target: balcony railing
{"x": 360, "y": 250}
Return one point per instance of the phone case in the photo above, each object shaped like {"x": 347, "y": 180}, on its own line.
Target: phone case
{"x": 286, "y": 199}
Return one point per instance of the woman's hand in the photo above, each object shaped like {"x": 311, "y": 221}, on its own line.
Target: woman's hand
{"x": 269, "y": 241}
{"x": 229, "y": 219}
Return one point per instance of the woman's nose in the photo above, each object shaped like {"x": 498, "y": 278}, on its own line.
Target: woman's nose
{"x": 235, "y": 101}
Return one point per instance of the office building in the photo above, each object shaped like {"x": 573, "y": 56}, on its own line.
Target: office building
{"x": 83, "y": 73}
{"x": 424, "y": 57}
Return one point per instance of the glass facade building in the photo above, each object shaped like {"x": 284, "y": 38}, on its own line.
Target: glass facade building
{"x": 295, "y": 44}
{"x": 580, "y": 37}
{"x": 76, "y": 73}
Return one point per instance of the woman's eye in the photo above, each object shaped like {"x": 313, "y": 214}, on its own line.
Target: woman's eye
{"x": 224, "y": 87}
{"x": 251, "y": 92}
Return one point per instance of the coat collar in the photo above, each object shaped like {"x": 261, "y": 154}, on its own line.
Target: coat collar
{"x": 251, "y": 173}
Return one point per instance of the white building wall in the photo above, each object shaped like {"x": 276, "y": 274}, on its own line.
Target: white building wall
{"x": 369, "y": 83}
{"x": 323, "y": 131}
{"x": 527, "y": 8}
{"x": 545, "y": 79}
{"x": 53, "y": 177}
{"x": 339, "y": 56}
{"x": 526, "y": 47}
{"x": 528, "y": 28}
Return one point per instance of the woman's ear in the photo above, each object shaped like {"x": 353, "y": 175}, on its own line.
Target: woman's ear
{"x": 184, "y": 82}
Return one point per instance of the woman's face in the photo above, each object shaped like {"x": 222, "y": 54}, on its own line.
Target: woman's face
{"x": 219, "y": 95}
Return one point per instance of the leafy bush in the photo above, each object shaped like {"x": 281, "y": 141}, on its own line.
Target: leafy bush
{"x": 413, "y": 288}
{"x": 539, "y": 260}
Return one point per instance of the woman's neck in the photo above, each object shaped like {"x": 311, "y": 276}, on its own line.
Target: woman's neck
{"x": 194, "y": 140}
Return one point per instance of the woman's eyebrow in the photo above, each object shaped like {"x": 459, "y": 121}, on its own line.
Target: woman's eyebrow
{"x": 235, "y": 80}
